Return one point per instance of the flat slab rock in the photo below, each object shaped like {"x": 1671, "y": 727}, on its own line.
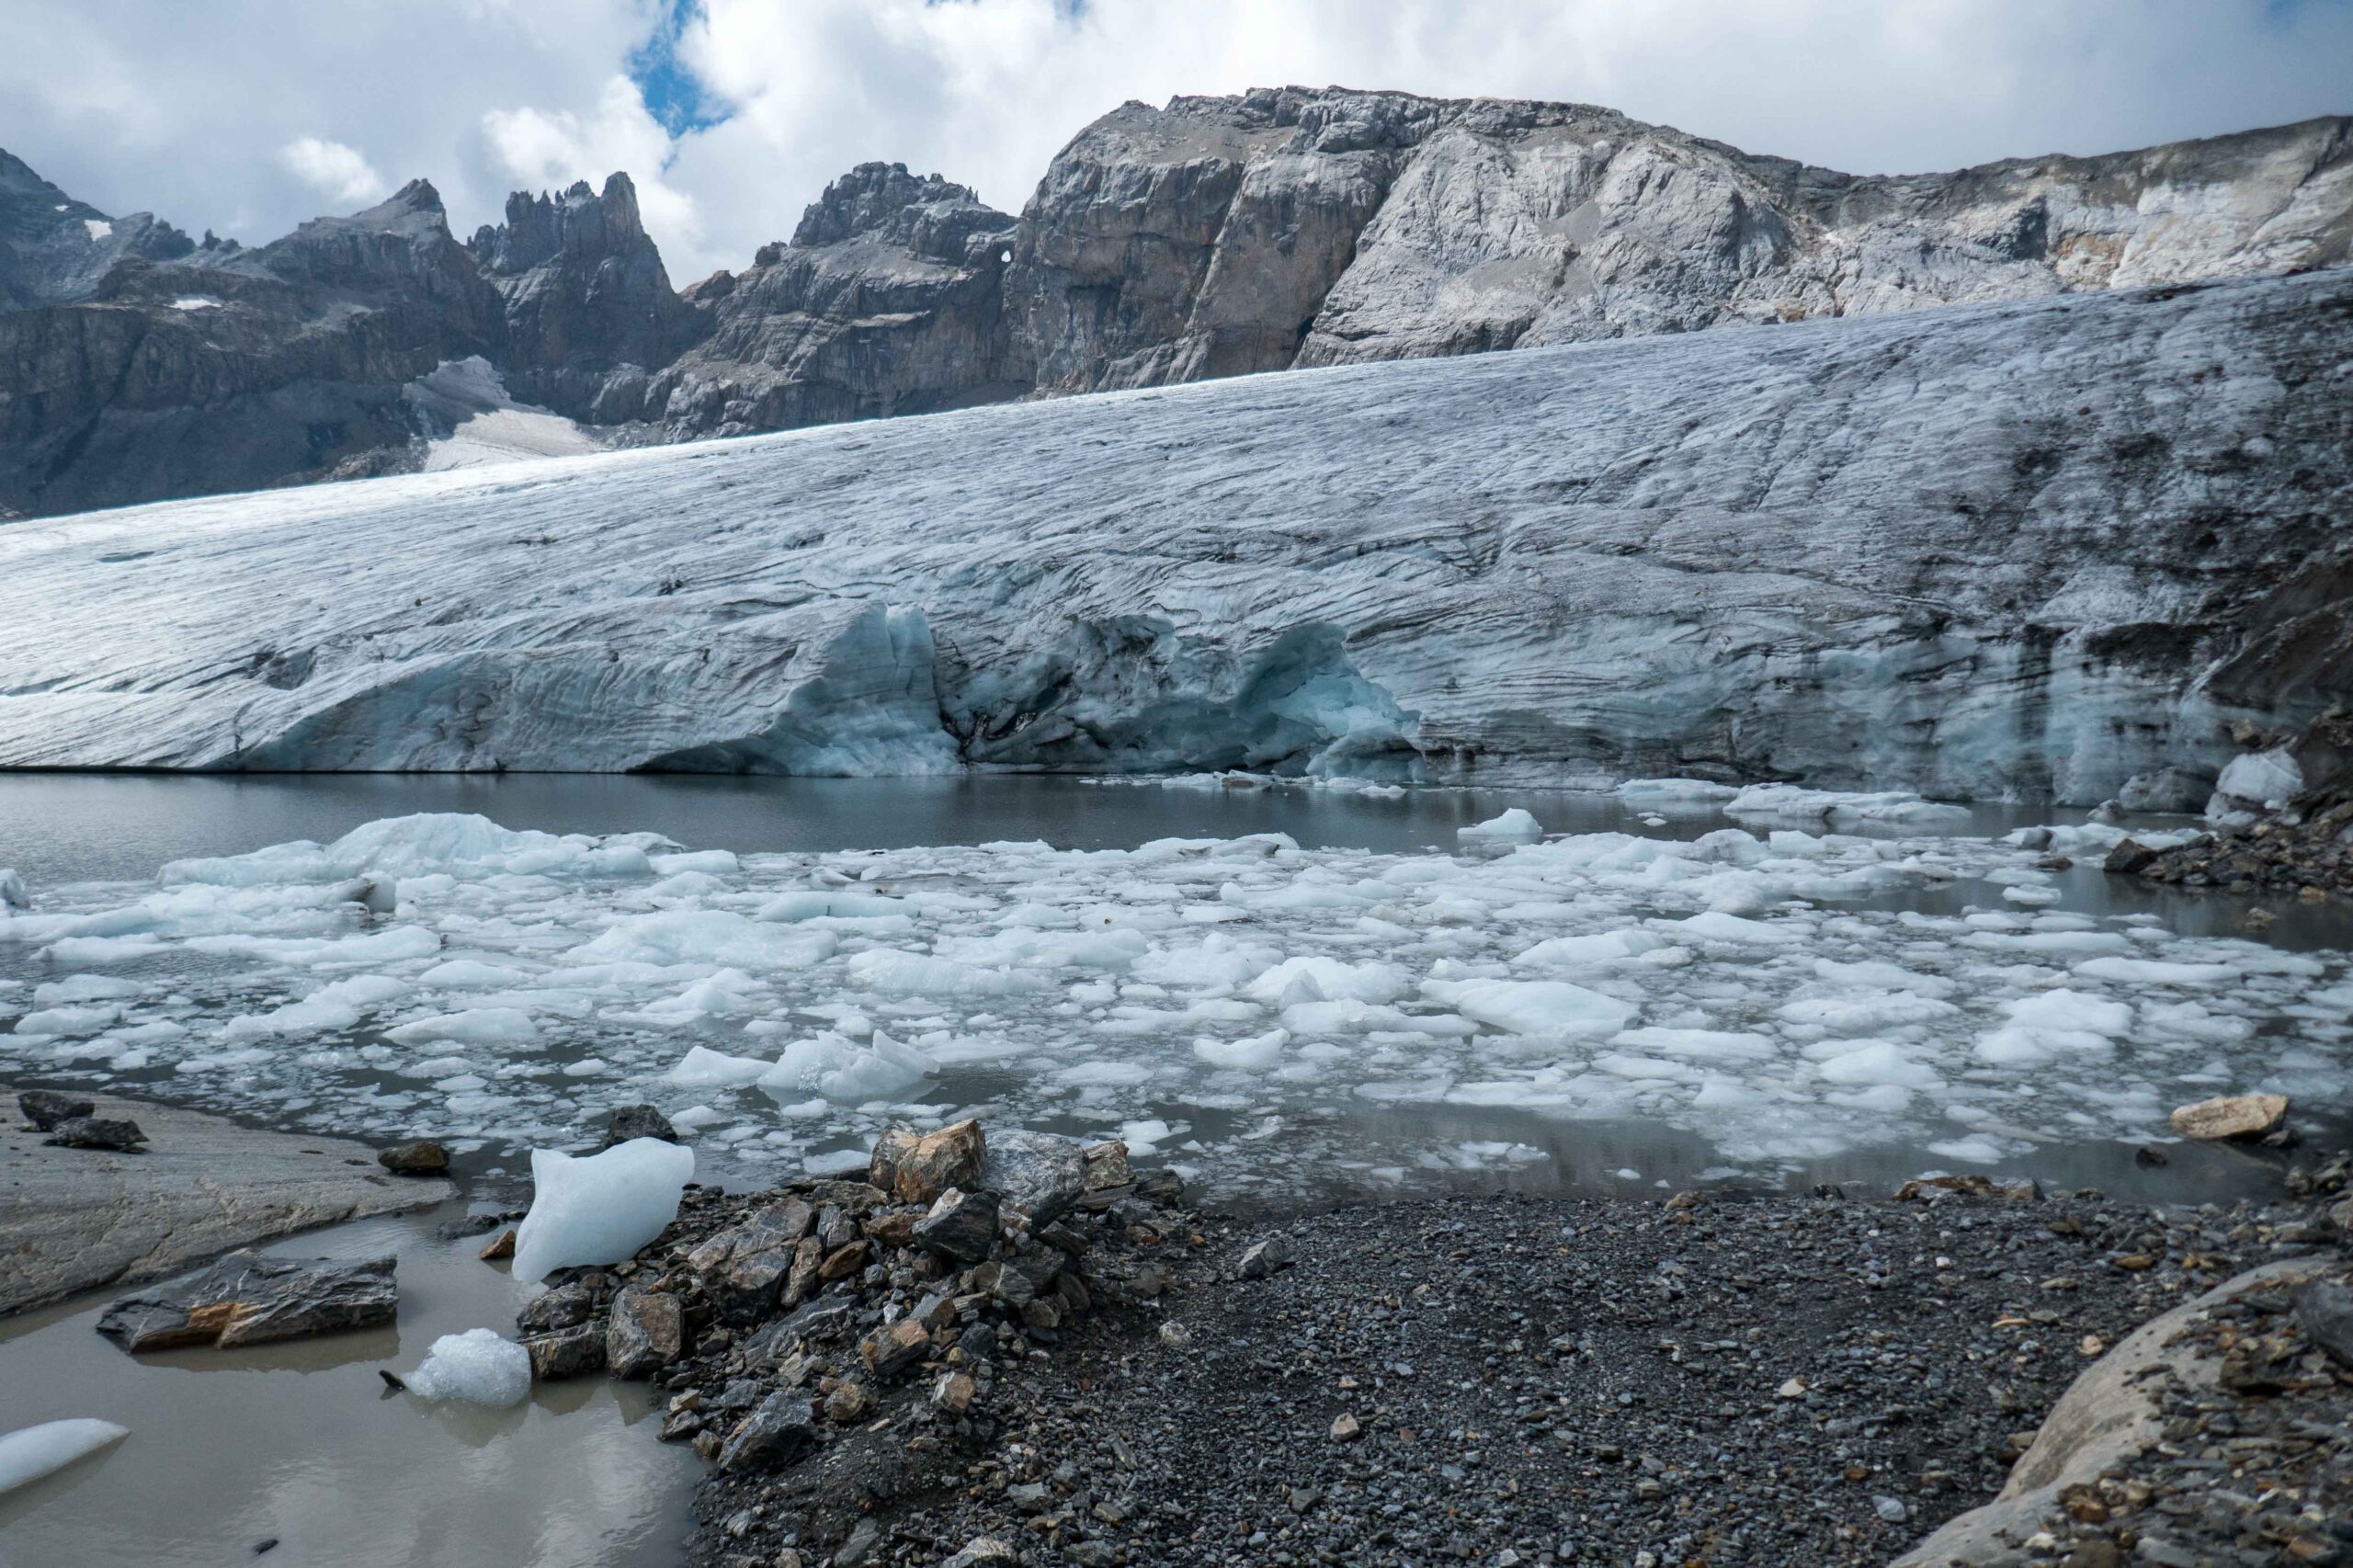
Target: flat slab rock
{"x": 247, "y": 1299}
{"x": 75, "y": 1220}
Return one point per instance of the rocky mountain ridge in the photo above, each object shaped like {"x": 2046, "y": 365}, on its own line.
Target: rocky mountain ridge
{"x": 1212, "y": 236}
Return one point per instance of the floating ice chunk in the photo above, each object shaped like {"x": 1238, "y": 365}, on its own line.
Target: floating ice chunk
{"x": 840, "y": 1069}
{"x": 898, "y": 974}
{"x": 1675, "y": 791}
{"x": 1864, "y": 1015}
{"x": 12, "y": 895}
{"x": 84, "y": 988}
{"x": 1517, "y": 823}
{"x": 1789, "y": 800}
{"x": 2064, "y": 1009}
{"x": 31, "y": 1452}
{"x": 1715, "y": 925}
{"x": 2153, "y": 972}
{"x": 599, "y": 1209}
{"x": 704, "y": 1068}
{"x": 1878, "y": 1063}
{"x": 1699, "y": 1044}
{"x": 480, "y": 1366}
{"x": 475, "y": 1026}
{"x": 1253, "y": 1054}
{"x": 1145, "y": 1137}
{"x": 1978, "y": 1150}
{"x": 710, "y": 862}
{"x": 471, "y": 974}
{"x": 393, "y": 946}
{"x": 73, "y": 1023}
{"x": 1548, "y": 1008}
{"x": 1594, "y": 949}
{"x": 826, "y": 905}
{"x": 705, "y": 936}
{"x": 1318, "y": 979}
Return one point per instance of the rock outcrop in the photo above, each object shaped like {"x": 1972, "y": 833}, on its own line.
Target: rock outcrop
{"x": 1215, "y": 236}
{"x": 587, "y": 301}
{"x": 886, "y": 301}
{"x": 1990, "y": 552}
{"x": 232, "y": 370}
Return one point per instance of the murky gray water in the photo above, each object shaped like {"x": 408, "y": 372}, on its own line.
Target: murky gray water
{"x": 301, "y": 1443}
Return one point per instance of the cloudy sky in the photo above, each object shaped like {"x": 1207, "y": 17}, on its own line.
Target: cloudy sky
{"x": 246, "y": 116}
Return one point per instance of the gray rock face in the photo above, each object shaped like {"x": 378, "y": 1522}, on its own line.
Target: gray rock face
{"x": 232, "y": 370}
{"x": 887, "y": 302}
{"x": 587, "y": 296}
{"x": 54, "y": 249}
{"x": 1037, "y": 1173}
{"x": 1296, "y": 227}
{"x": 247, "y": 1299}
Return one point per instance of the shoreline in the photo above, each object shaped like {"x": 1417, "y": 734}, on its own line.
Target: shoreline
{"x": 78, "y": 1219}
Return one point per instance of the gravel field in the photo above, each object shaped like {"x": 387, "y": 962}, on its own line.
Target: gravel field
{"x": 1505, "y": 1379}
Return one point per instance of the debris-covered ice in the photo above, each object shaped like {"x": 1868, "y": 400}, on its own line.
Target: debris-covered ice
{"x": 1247, "y": 1009}
{"x": 31, "y": 1452}
{"x": 480, "y": 1366}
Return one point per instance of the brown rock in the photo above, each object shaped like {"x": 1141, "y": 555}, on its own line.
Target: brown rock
{"x": 645, "y": 1332}
{"x": 425, "y": 1157}
{"x": 2231, "y": 1116}
{"x": 2129, "y": 858}
{"x": 567, "y": 1353}
{"x": 846, "y": 1260}
{"x": 846, "y": 1403}
{"x": 1107, "y": 1165}
{"x": 501, "y": 1245}
{"x": 247, "y": 1299}
{"x": 954, "y": 1392}
{"x": 937, "y": 1161}
{"x": 896, "y": 1143}
{"x": 889, "y": 1350}
{"x": 1345, "y": 1428}
{"x": 801, "y": 1281}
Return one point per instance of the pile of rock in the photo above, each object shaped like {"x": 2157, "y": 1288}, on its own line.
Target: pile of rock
{"x": 780, "y": 1318}
{"x": 74, "y": 1123}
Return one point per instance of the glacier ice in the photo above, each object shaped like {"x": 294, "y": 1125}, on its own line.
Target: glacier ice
{"x": 31, "y": 1452}
{"x": 1884, "y": 556}
{"x": 480, "y": 1366}
{"x": 600, "y": 1208}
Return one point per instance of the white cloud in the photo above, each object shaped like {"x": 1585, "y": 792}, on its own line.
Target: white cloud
{"x": 135, "y": 104}
{"x": 333, "y": 170}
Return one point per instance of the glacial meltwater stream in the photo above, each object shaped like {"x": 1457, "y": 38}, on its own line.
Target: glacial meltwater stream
{"x": 1283, "y": 990}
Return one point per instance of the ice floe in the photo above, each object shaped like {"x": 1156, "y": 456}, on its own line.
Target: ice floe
{"x": 1241, "y": 1005}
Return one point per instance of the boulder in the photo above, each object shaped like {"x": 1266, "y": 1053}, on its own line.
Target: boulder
{"x": 921, "y": 1168}
{"x": 744, "y": 1268}
{"x": 247, "y": 1299}
{"x": 1107, "y": 1165}
{"x": 781, "y": 1430}
{"x": 639, "y": 1122}
{"x": 573, "y": 1352}
{"x": 961, "y": 1226}
{"x": 646, "y": 1330}
{"x": 2129, "y": 858}
{"x": 1265, "y": 1258}
{"x": 2231, "y": 1116}
{"x": 45, "y": 1108}
{"x": 119, "y": 1134}
{"x": 1038, "y": 1173}
{"x": 425, "y": 1157}
{"x": 893, "y": 1348}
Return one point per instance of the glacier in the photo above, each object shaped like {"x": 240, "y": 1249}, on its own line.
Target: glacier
{"x": 2037, "y": 551}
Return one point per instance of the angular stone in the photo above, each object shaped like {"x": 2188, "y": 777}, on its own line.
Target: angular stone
{"x": 892, "y": 1350}
{"x": 896, "y": 1143}
{"x": 848, "y": 1402}
{"x": 2231, "y": 1116}
{"x": 638, "y": 1121}
{"x": 744, "y": 1268}
{"x": 954, "y": 1392}
{"x": 1037, "y": 1173}
{"x": 952, "y": 1156}
{"x": 501, "y": 1245}
{"x": 961, "y": 1226}
{"x": 779, "y": 1431}
{"x": 801, "y": 1282}
{"x": 2129, "y": 858}
{"x": 247, "y": 1299}
{"x": 425, "y": 1157}
{"x": 2324, "y": 1310}
{"x": 983, "y": 1551}
{"x": 118, "y": 1134}
{"x": 46, "y": 1108}
{"x": 1107, "y": 1165}
{"x": 646, "y": 1330}
{"x": 567, "y": 1353}
{"x": 1266, "y": 1257}
{"x": 845, "y": 1260}
{"x": 565, "y": 1306}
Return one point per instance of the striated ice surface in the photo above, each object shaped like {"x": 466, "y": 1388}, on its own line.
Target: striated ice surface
{"x": 1969, "y": 554}
{"x": 1251, "y": 1010}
